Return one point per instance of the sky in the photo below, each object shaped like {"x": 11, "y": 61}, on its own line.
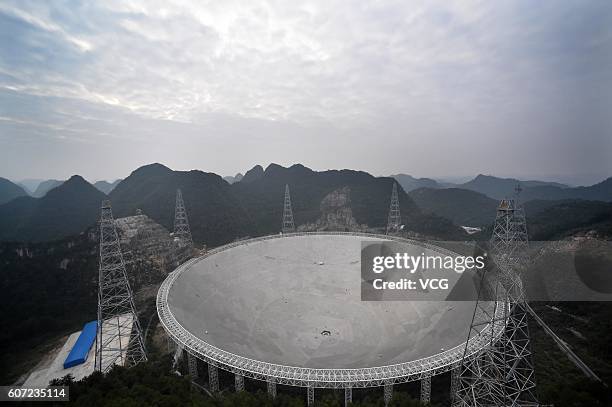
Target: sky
{"x": 436, "y": 88}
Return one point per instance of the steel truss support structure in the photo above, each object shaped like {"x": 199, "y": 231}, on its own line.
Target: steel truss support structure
{"x": 213, "y": 378}
{"x": 271, "y": 388}
{"x": 119, "y": 338}
{"x": 239, "y": 382}
{"x": 454, "y": 385}
{"x": 310, "y": 396}
{"x": 181, "y": 222}
{"x": 192, "y": 364}
{"x": 503, "y": 374}
{"x": 388, "y": 393}
{"x": 425, "y": 389}
{"x": 395, "y": 220}
{"x": 288, "y": 224}
{"x": 348, "y": 396}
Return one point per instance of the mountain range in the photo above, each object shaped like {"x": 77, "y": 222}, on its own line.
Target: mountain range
{"x": 215, "y": 214}
{"x": 546, "y": 219}
{"x": 218, "y": 211}
{"x": 236, "y": 178}
{"x": 462, "y": 206}
{"x": 105, "y": 186}
{"x": 10, "y": 191}
{"x": 409, "y": 183}
{"x": 221, "y": 211}
{"x": 65, "y": 210}
{"x": 261, "y": 192}
{"x": 46, "y": 186}
{"x": 499, "y": 188}
{"x": 29, "y": 184}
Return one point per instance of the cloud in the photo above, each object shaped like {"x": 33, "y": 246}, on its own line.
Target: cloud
{"x": 464, "y": 75}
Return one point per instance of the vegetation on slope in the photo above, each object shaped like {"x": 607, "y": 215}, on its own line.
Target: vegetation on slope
{"x": 218, "y": 212}
{"x": 587, "y": 328}
{"x": 48, "y": 290}
{"x": 64, "y": 211}
{"x": 566, "y": 218}
{"x": 463, "y": 207}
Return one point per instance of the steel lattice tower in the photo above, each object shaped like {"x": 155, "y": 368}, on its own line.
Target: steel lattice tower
{"x": 119, "y": 339}
{"x": 288, "y": 224}
{"x": 395, "y": 219}
{"x": 503, "y": 374}
{"x": 181, "y": 223}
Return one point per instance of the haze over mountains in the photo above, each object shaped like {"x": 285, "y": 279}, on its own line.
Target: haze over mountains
{"x": 473, "y": 203}
{"x": 462, "y": 206}
{"x": 65, "y": 210}
{"x": 9, "y": 191}
{"x": 231, "y": 179}
{"x": 409, "y": 183}
{"x": 489, "y": 185}
{"x": 546, "y": 218}
{"x": 105, "y": 186}
{"x": 45, "y": 187}
{"x": 221, "y": 210}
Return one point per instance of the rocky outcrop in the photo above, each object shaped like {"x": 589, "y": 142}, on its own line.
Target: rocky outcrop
{"x": 336, "y": 214}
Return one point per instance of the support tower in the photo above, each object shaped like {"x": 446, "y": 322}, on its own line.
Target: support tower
{"x": 288, "y": 224}
{"x": 503, "y": 374}
{"x": 395, "y": 219}
{"x": 119, "y": 339}
{"x": 181, "y": 223}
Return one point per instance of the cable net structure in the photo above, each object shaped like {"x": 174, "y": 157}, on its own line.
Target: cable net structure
{"x": 119, "y": 339}
{"x": 503, "y": 374}
{"x": 395, "y": 219}
{"x": 288, "y": 224}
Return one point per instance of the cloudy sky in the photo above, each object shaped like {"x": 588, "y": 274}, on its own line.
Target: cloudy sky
{"x": 446, "y": 88}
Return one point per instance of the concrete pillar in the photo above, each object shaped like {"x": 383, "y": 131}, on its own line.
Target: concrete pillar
{"x": 271, "y": 388}
{"x": 310, "y": 396}
{"x": 426, "y": 389}
{"x": 388, "y": 393}
{"x": 213, "y": 378}
{"x": 192, "y": 365}
{"x": 239, "y": 382}
{"x": 348, "y": 395}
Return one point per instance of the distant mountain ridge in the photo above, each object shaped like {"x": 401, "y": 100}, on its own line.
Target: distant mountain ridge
{"x": 261, "y": 195}
{"x": 499, "y": 188}
{"x": 45, "y": 187}
{"x": 462, "y": 206}
{"x": 551, "y": 220}
{"x": 601, "y": 191}
{"x": 253, "y": 174}
{"x": 65, "y": 210}
{"x": 546, "y": 219}
{"x": 10, "y": 191}
{"x": 30, "y": 184}
{"x": 236, "y": 178}
{"x": 410, "y": 183}
{"x": 218, "y": 212}
{"x": 215, "y": 215}
{"x": 105, "y": 186}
